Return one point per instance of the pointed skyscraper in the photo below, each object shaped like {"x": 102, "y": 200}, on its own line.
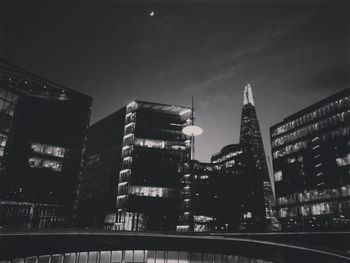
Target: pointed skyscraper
{"x": 261, "y": 199}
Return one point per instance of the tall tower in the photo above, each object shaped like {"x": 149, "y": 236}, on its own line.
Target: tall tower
{"x": 261, "y": 199}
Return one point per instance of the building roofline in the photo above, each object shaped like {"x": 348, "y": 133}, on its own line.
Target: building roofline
{"x": 226, "y": 149}
{"x": 162, "y": 104}
{"x": 311, "y": 107}
{"x": 6, "y": 65}
{"x": 138, "y": 101}
{"x": 109, "y": 116}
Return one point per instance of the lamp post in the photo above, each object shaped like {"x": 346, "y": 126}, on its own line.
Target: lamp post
{"x": 192, "y": 131}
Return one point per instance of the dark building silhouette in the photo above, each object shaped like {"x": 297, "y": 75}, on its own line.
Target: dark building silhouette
{"x": 212, "y": 193}
{"x": 43, "y": 129}
{"x": 261, "y": 198}
{"x": 153, "y": 145}
{"x": 311, "y": 161}
{"x": 97, "y": 204}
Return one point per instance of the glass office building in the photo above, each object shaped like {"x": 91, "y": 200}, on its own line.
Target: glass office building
{"x": 130, "y": 179}
{"x": 148, "y": 185}
{"x": 96, "y": 206}
{"x": 43, "y": 129}
{"x": 311, "y": 163}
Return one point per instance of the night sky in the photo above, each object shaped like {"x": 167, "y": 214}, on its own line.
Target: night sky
{"x": 293, "y": 53}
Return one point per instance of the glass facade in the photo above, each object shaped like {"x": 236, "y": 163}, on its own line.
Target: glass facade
{"x": 136, "y": 256}
{"x": 48, "y": 149}
{"x": 45, "y": 152}
{"x": 29, "y": 215}
{"x": 8, "y": 101}
{"x": 328, "y": 108}
{"x": 311, "y": 163}
{"x": 43, "y": 129}
{"x": 148, "y": 185}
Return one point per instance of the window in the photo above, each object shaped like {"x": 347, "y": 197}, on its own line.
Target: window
{"x": 319, "y": 209}
{"x": 131, "y": 107}
{"x": 278, "y": 176}
{"x": 247, "y": 215}
{"x": 283, "y": 212}
{"x": 129, "y": 128}
{"x": 3, "y": 139}
{"x": 128, "y": 139}
{"x": 35, "y": 162}
{"x": 48, "y": 149}
{"x": 305, "y": 210}
{"x": 230, "y": 163}
{"x": 345, "y": 190}
{"x": 325, "y": 110}
{"x": 151, "y": 191}
{"x": 342, "y": 161}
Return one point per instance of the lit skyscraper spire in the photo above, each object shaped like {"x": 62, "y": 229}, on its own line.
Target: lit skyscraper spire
{"x": 248, "y": 95}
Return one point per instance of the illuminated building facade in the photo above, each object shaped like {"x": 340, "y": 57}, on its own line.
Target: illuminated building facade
{"x": 207, "y": 190}
{"x": 96, "y": 207}
{"x": 311, "y": 163}
{"x": 148, "y": 185}
{"x": 261, "y": 198}
{"x": 43, "y": 131}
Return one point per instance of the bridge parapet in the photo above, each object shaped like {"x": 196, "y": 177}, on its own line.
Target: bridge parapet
{"x": 271, "y": 247}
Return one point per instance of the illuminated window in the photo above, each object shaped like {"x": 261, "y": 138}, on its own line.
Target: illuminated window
{"x": 123, "y": 188}
{"x": 178, "y": 147}
{"x": 130, "y": 117}
{"x": 230, "y": 163}
{"x": 321, "y": 208}
{"x": 54, "y": 165}
{"x": 345, "y": 190}
{"x": 305, "y": 210}
{"x": 283, "y": 212}
{"x": 150, "y": 143}
{"x": 48, "y": 149}
{"x": 129, "y": 128}
{"x": 127, "y": 161}
{"x": 291, "y": 160}
{"x": 131, "y": 107}
{"x": 247, "y": 215}
{"x": 128, "y": 139}
{"x": 110, "y": 218}
{"x": 278, "y": 176}
{"x": 327, "y": 109}
{"x": 342, "y": 161}
{"x": 202, "y": 219}
{"x": 151, "y": 191}
{"x": 121, "y": 200}
{"x": 282, "y": 200}
{"x": 3, "y": 139}
{"x": 127, "y": 150}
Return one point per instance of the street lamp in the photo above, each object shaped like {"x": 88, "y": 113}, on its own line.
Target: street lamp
{"x": 192, "y": 131}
